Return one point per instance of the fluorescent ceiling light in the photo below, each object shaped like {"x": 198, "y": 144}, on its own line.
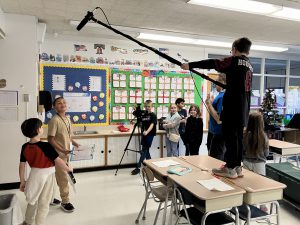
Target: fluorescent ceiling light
{"x": 287, "y": 13}
{"x": 268, "y": 48}
{"x": 158, "y": 37}
{"x": 247, "y": 6}
{"x": 193, "y": 41}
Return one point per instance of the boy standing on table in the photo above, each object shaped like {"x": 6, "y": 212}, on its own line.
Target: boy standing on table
{"x": 42, "y": 158}
{"x": 236, "y": 102}
{"x": 149, "y": 121}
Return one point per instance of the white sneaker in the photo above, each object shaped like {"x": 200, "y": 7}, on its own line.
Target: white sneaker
{"x": 239, "y": 171}
{"x": 225, "y": 172}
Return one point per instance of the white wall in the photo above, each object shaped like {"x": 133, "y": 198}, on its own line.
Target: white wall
{"x": 18, "y": 65}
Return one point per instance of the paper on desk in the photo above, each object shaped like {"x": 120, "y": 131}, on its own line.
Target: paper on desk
{"x": 165, "y": 163}
{"x": 215, "y": 184}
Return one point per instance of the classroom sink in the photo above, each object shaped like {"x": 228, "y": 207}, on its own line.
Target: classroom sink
{"x": 80, "y": 132}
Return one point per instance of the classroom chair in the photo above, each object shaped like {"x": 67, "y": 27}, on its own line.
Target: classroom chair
{"x": 186, "y": 206}
{"x": 153, "y": 190}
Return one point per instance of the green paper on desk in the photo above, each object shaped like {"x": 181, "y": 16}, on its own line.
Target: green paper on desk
{"x": 179, "y": 170}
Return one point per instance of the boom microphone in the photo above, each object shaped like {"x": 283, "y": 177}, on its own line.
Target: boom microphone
{"x": 85, "y": 20}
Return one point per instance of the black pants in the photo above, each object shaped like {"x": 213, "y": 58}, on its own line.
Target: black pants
{"x": 192, "y": 149}
{"x": 233, "y": 138}
{"x": 217, "y": 147}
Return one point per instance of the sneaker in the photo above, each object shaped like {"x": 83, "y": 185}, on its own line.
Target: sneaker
{"x": 135, "y": 171}
{"x": 225, "y": 172}
{"x": 55, "y": 202}
{"x": 239, "y": 171}
{"x": 264, "y": 208}
{"x": 67, "y": 207}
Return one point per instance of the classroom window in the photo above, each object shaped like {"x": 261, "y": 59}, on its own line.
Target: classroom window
{"x": 275, "y": 66}
{"x": 256, "y": 64}
{"x": 256, "y": 82}
{"x": 293, "y": 101}
{"x": 295, "y": 68}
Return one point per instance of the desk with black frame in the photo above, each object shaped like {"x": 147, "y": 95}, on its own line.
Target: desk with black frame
{"x": 212, "y": 202}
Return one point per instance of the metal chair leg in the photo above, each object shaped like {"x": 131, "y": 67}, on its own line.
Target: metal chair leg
{"x": 143, "y": 209}
{"x": 156, "y": 216}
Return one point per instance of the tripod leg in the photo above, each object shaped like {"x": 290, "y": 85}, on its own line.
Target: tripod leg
{"x": 126, "y": 148}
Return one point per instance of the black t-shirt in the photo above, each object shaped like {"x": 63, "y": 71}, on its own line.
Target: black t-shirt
{"x": 236, "y": 100}
{"x": 183, "y": 114}
{"x": 38, "y": 155}
{"x": 147, "y": 120}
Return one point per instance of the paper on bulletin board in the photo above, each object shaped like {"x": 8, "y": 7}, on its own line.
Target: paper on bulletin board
{"x": 95, "y": 83}
{"x": 78, "y": 102}
{"x": 58, "y": 82}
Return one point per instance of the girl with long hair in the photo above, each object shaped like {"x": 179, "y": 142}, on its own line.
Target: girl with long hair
{"x": 256, "y": 146}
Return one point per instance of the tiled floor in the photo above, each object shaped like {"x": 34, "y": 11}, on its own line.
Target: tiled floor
{"x": 105, "y": 199}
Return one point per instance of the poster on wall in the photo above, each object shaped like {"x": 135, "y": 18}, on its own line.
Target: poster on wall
{"x": 85, "y": 89}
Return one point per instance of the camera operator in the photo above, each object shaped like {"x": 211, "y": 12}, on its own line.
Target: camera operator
{"x": 149, "y": 121}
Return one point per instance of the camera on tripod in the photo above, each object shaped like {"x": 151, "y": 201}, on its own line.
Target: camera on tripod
{"x": 138, "y": 112}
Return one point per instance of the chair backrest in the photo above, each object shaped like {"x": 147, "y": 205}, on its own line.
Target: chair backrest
{"x": 158, "y": 192}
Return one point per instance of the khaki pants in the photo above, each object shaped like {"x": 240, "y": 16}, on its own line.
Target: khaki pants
{"x": 62, "y": 182}
{"x": 39, "y": 211}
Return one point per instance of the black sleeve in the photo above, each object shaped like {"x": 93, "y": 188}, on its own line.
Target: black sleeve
{"x": 48, "y": 150}
{"x": 22, "y": 157}
{"x": 185, "y": 113}
{"x": 153, "y": 119}
{"x": 187, "y": 127}
{"x": 200, "y": 130}
{"x": 221, "y": 65}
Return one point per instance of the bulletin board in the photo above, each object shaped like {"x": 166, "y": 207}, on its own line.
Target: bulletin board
{"x": 132, "y": 87}
{"x": 85, "y": 89}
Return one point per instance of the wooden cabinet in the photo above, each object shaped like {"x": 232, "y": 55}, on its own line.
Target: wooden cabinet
{"x": 115, "y": 150}
{"x": 155, "y": 150}
{"x": 109, "y": 150}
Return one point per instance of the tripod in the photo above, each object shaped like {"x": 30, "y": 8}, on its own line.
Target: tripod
{"x": 136, "y": 125}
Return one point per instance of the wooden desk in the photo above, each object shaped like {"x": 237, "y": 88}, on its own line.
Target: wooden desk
{"x": 161, "y": 173}
{"x": 204, "y": 162}
{"x": 284, "y": 148}
{"x": 209, "y": 201}
{"x": 259, "y": 189}
{"x": 212, "y": 200}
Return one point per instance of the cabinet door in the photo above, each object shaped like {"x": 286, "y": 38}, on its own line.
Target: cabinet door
{"x": 91, "y": 158}
{"x": 116, "y": 147}
{"x": 155, "y": 147}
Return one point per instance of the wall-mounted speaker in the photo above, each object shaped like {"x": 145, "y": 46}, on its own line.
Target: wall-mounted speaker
{"x": 45, "y": 99}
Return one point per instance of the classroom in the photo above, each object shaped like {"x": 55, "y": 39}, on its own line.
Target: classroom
{"x": 128, "y": 97}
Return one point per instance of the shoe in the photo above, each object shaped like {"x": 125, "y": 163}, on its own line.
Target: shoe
{"x": 67, "y": 207}
{"x": 135, "y": 171}
{"x": 239, "y": 171}
{"x": 264, "y": 208}
{"x": 225, "y": 172}
{"x": 55, "y": 202}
